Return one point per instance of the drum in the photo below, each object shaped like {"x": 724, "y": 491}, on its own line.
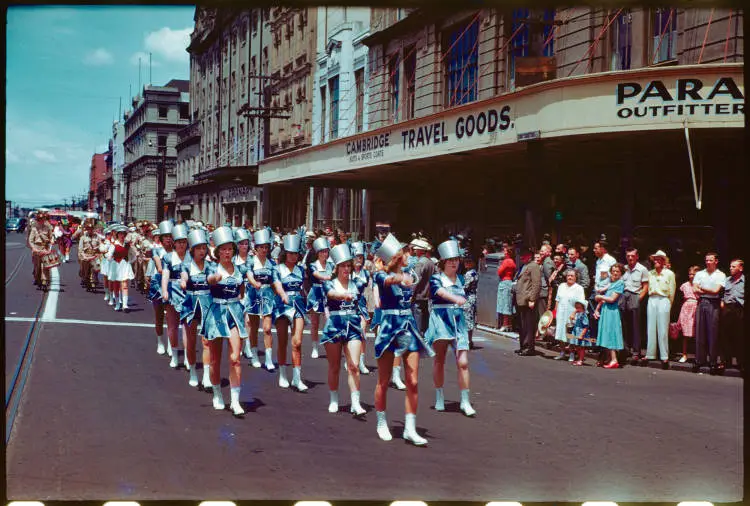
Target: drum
{"x": 51, "y": 259}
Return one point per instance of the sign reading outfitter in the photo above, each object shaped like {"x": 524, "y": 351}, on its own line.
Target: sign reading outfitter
{"x": 689, "y": 97}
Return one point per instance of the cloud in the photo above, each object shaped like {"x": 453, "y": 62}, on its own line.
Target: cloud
{"x": 44, "y": 156}
{"x": 11, "y": 157}
{"x": 99, "y": 57}
{"x": 144, "y": 59}
{"x": 169, "y": 44}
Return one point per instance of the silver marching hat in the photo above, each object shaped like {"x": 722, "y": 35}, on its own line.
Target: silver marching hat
{"x": 262, "y": 236}
{"x": 449, "y": 249}
{"x": 358, "y": 248}
{"x": 196, "y": 238}
{"x": 165, "y": 227}
{"x": 222, "y": 235}
{"x": 320, "y": 244}
{"x": 179, "y": 231}
{"x": 341, "y": 253}
{"x": 241, "y": 234}
{"x": 390, "y": 247}
{"x": 291, "y": 243}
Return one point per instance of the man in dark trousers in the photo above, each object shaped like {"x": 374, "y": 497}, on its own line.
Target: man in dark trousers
{"x": 424, "y": 269}
{"x": 528, "y": 289}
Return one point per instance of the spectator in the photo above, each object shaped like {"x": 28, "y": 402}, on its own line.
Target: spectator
{"x": 527, "y": 295}
{"x": 661, "y": 290}
{"x": 687, "y": 311}
{"x": 505, "y": 272}
{"x": 608, "y": 313}
{"x": 582, "y": 272}
{"x": 557, "y": 277}
{"x": 604, "y": 262}
{"x": 635, "y": 279}
{"x": 732, "y": 311}
{"x": 708, "y": 285}
{"x": 548, "y": 267}
{"x": 565, "y": 305}
{"x": 581, "y": 339}
{"x": 471, "y": 282}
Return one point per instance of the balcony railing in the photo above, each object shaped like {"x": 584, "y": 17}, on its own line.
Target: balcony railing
{"x": 190, "y": 131}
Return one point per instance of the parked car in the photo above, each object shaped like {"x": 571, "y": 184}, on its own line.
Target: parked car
{"x": 15, "y": 225}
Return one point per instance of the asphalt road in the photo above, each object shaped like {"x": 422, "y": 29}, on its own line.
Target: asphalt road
{"x": 103, "y": 417}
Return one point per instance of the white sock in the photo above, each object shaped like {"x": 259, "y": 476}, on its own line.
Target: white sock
{"x": 333, "y": 407}
{"x": 439, "y": 399}
{"x": 206, "y": 375}
{"x": 234, "y": 392}
{"x": 383, "y": 432}
{"x": 411, "y": 423}
{"x": 465, "y": 396}
{"x": 254, "y": 352}
{"x": 396, "y": 372}
{"x": 106, "y": 293}
{"x": 124, "y": 301}
{"x": 269, "y": 356}
{"x": 356, "y": 406}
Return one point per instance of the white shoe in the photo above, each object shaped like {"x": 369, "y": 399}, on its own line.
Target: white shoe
{"x": 174, "y": 363}
{"x": 410, "y": 431}
{"x": 246, "y": 349}
{"x": 396, "y": 380}
{"x": 314, "y": 353}
{"x": 169, "y": 348}
{"x": 466, "y": 407}
{"x": 356, "y": 408}
{"x": 236, "y": 408}
{"x": 193, "y": 382}
{"x": 439, "y": 400}
{"x": 111, "y": 302}
{"x": 383, "y": 432}
{"x": 683, "y": 359}
{"x": 218, "y": 398}
{"x": 254, "y": 358}
{"x": 160, "y": 346}
{"x": 362, "y": 367}
{"x": 333, "y": 406}
{"x": 283, "y": 382}
{"x": 206, "y": 377}
{"x": 269, "y": 361}
{"x": 297, "y": 379}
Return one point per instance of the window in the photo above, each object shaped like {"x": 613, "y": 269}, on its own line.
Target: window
{"x": 530, "y": 36}
{"x": 234, "y": 85}
{"x": 622, "y": 42}
{"x": 359, "y": 83}
{"x": 162, "y": 141}
{"x": 254, "y": 21}
{"x": 333, "y": 85}
{"x": 461, "y": 72}
{"x": 664, "y": 23}
{"x": 244, "y": 33}
{"x": 410, "y": 75}
{"x": 265, "y": 61}
{"x": 323, "y": 114}
{"x": 184, "y": 111}
{"x": 548, "y": 32}
{"x": 393, "y": 81}
{"x": 163, "y": 111}
{"x": 243, "y": 79}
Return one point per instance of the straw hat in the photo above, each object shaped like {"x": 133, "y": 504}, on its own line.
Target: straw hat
{"x": 544, "y": 322}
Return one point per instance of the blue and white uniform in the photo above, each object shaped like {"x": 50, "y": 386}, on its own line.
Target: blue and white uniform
{"x": 259, "y": 301}
{"x": 364, "y": 277}
{"x": 291, "y": 282}
{"x": 316, "y": 299}
{"x": 236, "y": 260}
{"x": 344, "y": 321}
{"x": 398, "y": 329}
{"x": 447, "y": 320}
{"x": 172, "y": 262}
{"x": 154, "y": 289}
{"x": 226, "y": 311}
{"x": 197, "y": 292}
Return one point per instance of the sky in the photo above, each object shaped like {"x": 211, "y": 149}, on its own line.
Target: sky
{"x": 67, "y": 69}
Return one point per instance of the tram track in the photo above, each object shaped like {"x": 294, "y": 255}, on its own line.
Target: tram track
{"x": 16, "y": 269}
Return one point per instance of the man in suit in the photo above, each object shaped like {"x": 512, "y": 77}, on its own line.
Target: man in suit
{"x": 528, "y": 289}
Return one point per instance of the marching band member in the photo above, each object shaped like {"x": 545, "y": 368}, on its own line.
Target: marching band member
{"x": 41, "y": 239}
{"x": 259, "y": 300}
{"x": 343, "y": 327}
{"x": 151, "y": 266}
{"x": 447, "y": 324}
{"x": 243, "y": 257}
{"x": 225, "y": 318}
{"x": 120, "y": 271}
{"x": 289, "y": 309}
{"x": 361, "y": 273}
{"x": 104, "y": 266}
{"x": 172, "y": 293}
{"x": 193, "y": 279}
{"x": 155, "y": 287}
{"x": 88, "y": 252}
{"x": 398, "y": 336}
{"x": 319, "y": 271}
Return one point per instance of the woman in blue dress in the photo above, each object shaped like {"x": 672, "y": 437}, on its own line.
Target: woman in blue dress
{"x": 398, "y": 336}
{"x": 448, "y": 325}
{"x": 154, "y": 288}
{"x": 608, "y": 313}
{"x": 343, "y": 330}
{"x": 243, "y": 257}
{"x": 193, "y": 279}
{"x": 225, "y": 318}
{"x": 289, "y": 309}
{"x": 320, "y": 270}
{"x": 172, "y": 293}
{"x": 259, "y": 298}
{"x": 362, "y": 274}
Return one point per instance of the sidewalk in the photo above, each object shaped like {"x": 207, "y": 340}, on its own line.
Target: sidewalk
{"x": 552, "y": 349}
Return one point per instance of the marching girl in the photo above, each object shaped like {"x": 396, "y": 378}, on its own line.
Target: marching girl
{"x": 447, "y": 325}
{"x": 160, "y": 249}
{"x": 361, "y": 273}
{"x": 172, "y": 293}
{"x": 289, "y": 309}
{"x": 319, "y": 271}
{"x": 151, "y": 266}
{"x": 225, "y": 318}
{"x": 109, "y": 297}
{"x": 243, "y": 257}
{"x": 193, "y": 279}
{"x": 398, "y": 336}
{"x": 259, "y": 298}
{"x": 343, "y": 329}
{"x": 120, "y": 270}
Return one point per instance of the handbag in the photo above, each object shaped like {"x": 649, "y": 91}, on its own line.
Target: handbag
{"x": 674, "y": 330}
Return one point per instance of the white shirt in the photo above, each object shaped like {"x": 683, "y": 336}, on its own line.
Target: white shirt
{"x": 709, "y": 281}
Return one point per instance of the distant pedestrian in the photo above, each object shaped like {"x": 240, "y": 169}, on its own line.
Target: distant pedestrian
{"x": 687, "y": 311}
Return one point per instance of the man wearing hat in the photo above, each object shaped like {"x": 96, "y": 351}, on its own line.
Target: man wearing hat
{"x": 528, "y": 288}
{"x": 88, "y": 251}
{"x": 424, "y": 269}
{"x": 41, "y": 240}
{"x": 661, "y": 290}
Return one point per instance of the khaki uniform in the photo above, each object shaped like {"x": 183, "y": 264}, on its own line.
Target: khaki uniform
{"x": 88, "y": 251}
{"x": 41, "y": 239}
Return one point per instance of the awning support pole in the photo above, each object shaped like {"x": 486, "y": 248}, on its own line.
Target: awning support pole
{"x": 698, "y": 197}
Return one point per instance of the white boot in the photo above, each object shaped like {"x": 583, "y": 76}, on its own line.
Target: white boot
{"x": 206, "y": 376}
{"x": 396, "y": 378}
{"x": 235, "y": 405}
{"x": 333, "y": 406}
{"x": 125, "y": 302}
{"x": 160, "y": 345}
{"x": 410, "y": 430}
{"x": 169, "y": 347}
{"x": 218, "y": 398}
{"x": 314, "y": 353}
{"x": 362, "y": 367}
{"x": 466, "y": 404}
{"x": 269, "y": 359}
{"x": 111, "y": 301}
{"x": 283, "y": 382}
{"x": 439, "y": 400}
{"x": 175, "y": 362}
{"x": 254, "y": 357}
{"x": 297, "y": 379}
{"x": 246, "y": 349}
{"x": 357, "y": 408}
{"x": 193, "y": 381}
{"x": 106, "y": 294}
{"x": 118, "y": 302}
{"x": 383, "y": 431}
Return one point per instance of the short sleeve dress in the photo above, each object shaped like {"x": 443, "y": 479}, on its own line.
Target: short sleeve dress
{"x": 610, "y": 325}
{"x": 226, "y": 311}
{"x": 447, "y": 321}
{"x": 197, "y": 292}
{"x": 344, "y": 321}
{"x": 260, "y": 301}
{"x": 292, "y": 282}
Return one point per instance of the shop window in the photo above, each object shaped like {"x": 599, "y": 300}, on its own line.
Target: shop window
{"x": 333, "y": 86}
{"x": 461, "y": 47}
{"x": 622, "y": 42}
{"x": 664, "y": 41}
{"x": 410, "y": 75}
{"x": 359, "y": 82}
{"x": 393, "y": 85}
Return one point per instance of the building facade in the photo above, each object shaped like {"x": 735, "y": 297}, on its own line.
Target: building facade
{"x": 104, "y": 188}
{"x": 118, "y": 163}
{"x": 97, "y": 175}
{"x": 495, "y": 122}
{"x": 151, "y": 128}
